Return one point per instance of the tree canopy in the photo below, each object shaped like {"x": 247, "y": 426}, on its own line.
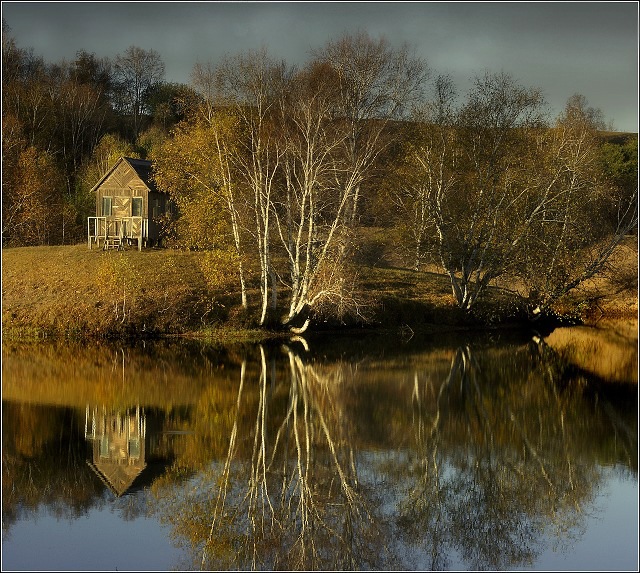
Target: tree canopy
{"x": 279, "y": 170}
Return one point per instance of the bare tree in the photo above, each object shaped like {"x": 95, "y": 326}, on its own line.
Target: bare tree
{"x": 80, "y": 112}
{"x": 252, "y": 85}
{"x": 136, "y": 73}
{"x": 376, "y": 85}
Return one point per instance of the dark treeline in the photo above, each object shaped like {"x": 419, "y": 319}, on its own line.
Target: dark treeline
{"x": 283, "y": 173}
{"x": 64, "y": 124}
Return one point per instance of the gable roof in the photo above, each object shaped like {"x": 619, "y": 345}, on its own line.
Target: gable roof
{"x": 141, "y": 167}
{"x": 121, "y": 482}
{"x": 117, "y": 477}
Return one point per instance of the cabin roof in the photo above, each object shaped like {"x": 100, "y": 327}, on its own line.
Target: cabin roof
{"x": 117, "y": 477}
{"x": 142, "y": 168}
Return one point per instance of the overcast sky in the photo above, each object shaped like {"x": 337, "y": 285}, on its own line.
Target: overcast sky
{"x": 563, "y": 48}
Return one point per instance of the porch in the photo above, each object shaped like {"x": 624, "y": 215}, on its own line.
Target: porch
{"x": 117, "y": 232}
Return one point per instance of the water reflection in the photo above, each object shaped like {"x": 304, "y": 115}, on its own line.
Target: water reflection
{"x": 301, "y": 506}
{"x": 493, "y": 467}
{"x": 118, "y": 445}
{"x": 434, "y": 455}
{"x": 495, "y": 458}
{"x": 608, "y": 351}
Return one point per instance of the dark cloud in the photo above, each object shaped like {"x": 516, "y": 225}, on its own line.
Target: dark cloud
{"x": 561, "y": 47}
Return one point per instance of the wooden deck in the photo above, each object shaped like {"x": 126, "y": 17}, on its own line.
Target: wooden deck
{"x": 117, "y": 232}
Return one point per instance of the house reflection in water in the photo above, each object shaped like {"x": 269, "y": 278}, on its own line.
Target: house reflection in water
{"x": 118, "y": 446}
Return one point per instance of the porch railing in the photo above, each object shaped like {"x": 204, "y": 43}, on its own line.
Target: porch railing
{"x": 115, "y": 232}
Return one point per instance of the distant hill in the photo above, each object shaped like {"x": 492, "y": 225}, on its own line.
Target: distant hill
{"x": 617, "y": 137}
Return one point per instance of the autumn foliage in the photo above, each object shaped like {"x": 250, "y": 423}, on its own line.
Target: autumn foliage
{"x": 281, "y": 173}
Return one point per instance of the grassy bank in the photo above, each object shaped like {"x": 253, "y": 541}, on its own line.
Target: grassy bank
{"x": 74, "y": 292}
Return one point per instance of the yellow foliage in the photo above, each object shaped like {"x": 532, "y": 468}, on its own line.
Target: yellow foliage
{"x": 202, "y": 223}
{"x": 35, "y": 204}
{"x": 191, "y": 166}
{"x": 219, "y": 269}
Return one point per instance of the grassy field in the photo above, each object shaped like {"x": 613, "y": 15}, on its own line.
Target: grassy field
{"x": 73, "y": 291}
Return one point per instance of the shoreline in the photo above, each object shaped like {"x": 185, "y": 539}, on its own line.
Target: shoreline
{"x": 69, "y": 292}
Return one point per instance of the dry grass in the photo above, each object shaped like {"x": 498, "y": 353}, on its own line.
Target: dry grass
{"x": 74, "y": 291}
{"x": 608, "y": 351}
{"x": 67, "y": 289}
{"x": 613, "y": 293}
{"x": 76, "y": 374}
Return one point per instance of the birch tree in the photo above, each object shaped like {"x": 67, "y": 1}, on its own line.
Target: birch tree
{"x": 473, "y": 168}
{"x": 296, "y": 496}
{"x": 335, "y": 125}
{"x": 376, "y": 84}
{"x": 251, "y": 84}
{"x": 426, "y": 174}
{"x": 511, "y": 198}
{"x": 584, "y": 218}
{"x": 496, "y": 130}
{"x": 311, "y": 211}
{"x": 193, "y": 165}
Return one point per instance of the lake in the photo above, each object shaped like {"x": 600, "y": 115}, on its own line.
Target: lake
{"x": 451, "y": 452}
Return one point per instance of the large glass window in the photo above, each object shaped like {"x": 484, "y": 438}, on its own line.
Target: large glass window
{"x": 136, "y": 207}
{"x": 106, "y": 206}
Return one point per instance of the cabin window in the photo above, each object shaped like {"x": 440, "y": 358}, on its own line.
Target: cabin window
{"x": 104, "y": 447}
{"x": 136, "y": 207}
{"x": 134, "y": 449}
{"x": 106, "y": 206}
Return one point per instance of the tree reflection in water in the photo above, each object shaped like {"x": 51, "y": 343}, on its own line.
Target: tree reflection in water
{"x": 500, "y": 458}
{"x": 495, "y": 467}
{"x": 303, "y": 495}
{"x": 290, "y": 499}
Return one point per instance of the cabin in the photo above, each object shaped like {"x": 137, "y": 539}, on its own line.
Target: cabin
{"x": 129, "y": 207}
{"x": 127, "y": 449}
{"x": 118, "y": 446}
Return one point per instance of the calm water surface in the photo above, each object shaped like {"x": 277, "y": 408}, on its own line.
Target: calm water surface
{"x": 458, "y": 452}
